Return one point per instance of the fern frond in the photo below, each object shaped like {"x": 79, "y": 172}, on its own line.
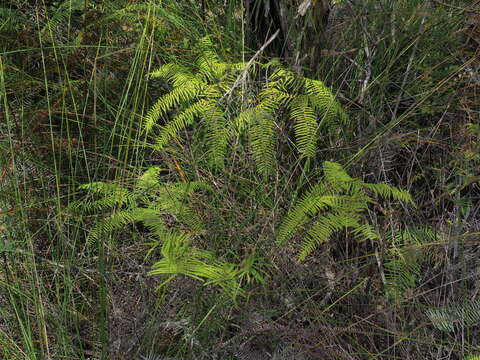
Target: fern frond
{"x": 324, "y": 102}
{"x": 391, "y": 192}
{"x": 127, "y": 13}
{"x": 335, "y": 175}
{"x": 179, "y": 258}
{"x": 178, "y": 95}
{"x": 181, "y": 121}
{"x": 404, "y": 259}
{"x": 185, "y": 188}
{"x": 10, "y": 19}
{"x": 111, "y": 195}
{"x": 218, "y": 136}
{"x": 272, "y": 99}
{"x": 62, "y": 13}
{"x": 323, "y": 229}
{"x": 308, "y": 207}
{"x": 116, "y": 221}
{"x": 262, "y": 143}
{"x": 208, "y": 62}
{"x": 211, "y": 93}
{"x": 337, "y": 203}
{"x": 448, "y": 318}
{"x": 149, "y": 179}
{"x": 305, "y": 126}
{"x": 282, "y": 78}
{"x": 244, "y": 119}
{"x": 175, "y": 74}
{"x": 365, "y": 232}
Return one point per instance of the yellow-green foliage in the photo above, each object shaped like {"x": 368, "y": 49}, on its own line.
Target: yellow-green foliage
{"x": 311, "y": 106}
{"x": 197, "y": 95}
{"x": 155, "y": 204}
{"x": 334, "y": 204}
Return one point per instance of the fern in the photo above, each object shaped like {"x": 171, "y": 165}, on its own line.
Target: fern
{"x": 180, "y": 258}
{"x": 448, "y": 318}
{"x": 197, "y": 96}
{"x": 305, "y": 125}
{"x": 155, "y": 204}
{"x": 405, "y": 258}
{"x": 310, "y": 104}
{"x": 61, "y": 15}
{"x": 10, "y": 19}
{"x": 156, "y": 200}
{"x": 335, "y": 204}
{"x": 262, "y": 140}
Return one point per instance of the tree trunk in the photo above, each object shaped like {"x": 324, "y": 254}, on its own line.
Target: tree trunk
{"x": 302, "y": 24}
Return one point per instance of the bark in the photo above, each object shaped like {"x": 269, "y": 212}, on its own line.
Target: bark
{"x": 302, "y": 23}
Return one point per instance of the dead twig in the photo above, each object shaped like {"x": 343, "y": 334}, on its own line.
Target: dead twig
{"x": 242, "y": 76}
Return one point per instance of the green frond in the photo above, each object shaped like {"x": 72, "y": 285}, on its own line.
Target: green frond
{"x": 111, "y": 195}
{"x": 325, "y": 103}
{"x": 178, "y": 95}
{"x": 130, "y": 12}
{"x": 323, "y": 229}
{"x": 305, "y": 126}
{"x": 336, "y": 175}
{"x": 172, "y": 199}
{"x": 308, "y": 207}
{"x": 149, "y": 179}
{"x": 365, "y": 232}
{"x": 245, "y": 118}
{"x": 309, "y": 103}
{"x": 152, "y": 203}
{"x": 10, "y": 19}
{"x": 181, "y": 121}
{"x": 449, "y": 318}
{"x": 391, "y": 192}
{"x": 116, "y": 221}
{"x": 405, "y": 258}
{"x": 102, "y": 188}
{"x": 167, "y": 204}
{"x": 208, "y": 62}
{"x": 62, "y": 13}
{"x": 282, "y": 77}
{"x": 205, "y": 45}
{"x": 182, "y": 189}
{"x": 336, "y": 203}
{"x": 209, "y": 69}
{"x": 180, "y": 258}
{"x": 217, "y": 137}
{"x": 262, "y": 143}
{"x": 272, "y": 99}
{"x": 211, "y": 93}
{"x": 174, "y": 74}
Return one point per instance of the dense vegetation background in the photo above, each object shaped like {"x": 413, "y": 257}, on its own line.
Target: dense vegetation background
{"x": 239, "y": 179}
